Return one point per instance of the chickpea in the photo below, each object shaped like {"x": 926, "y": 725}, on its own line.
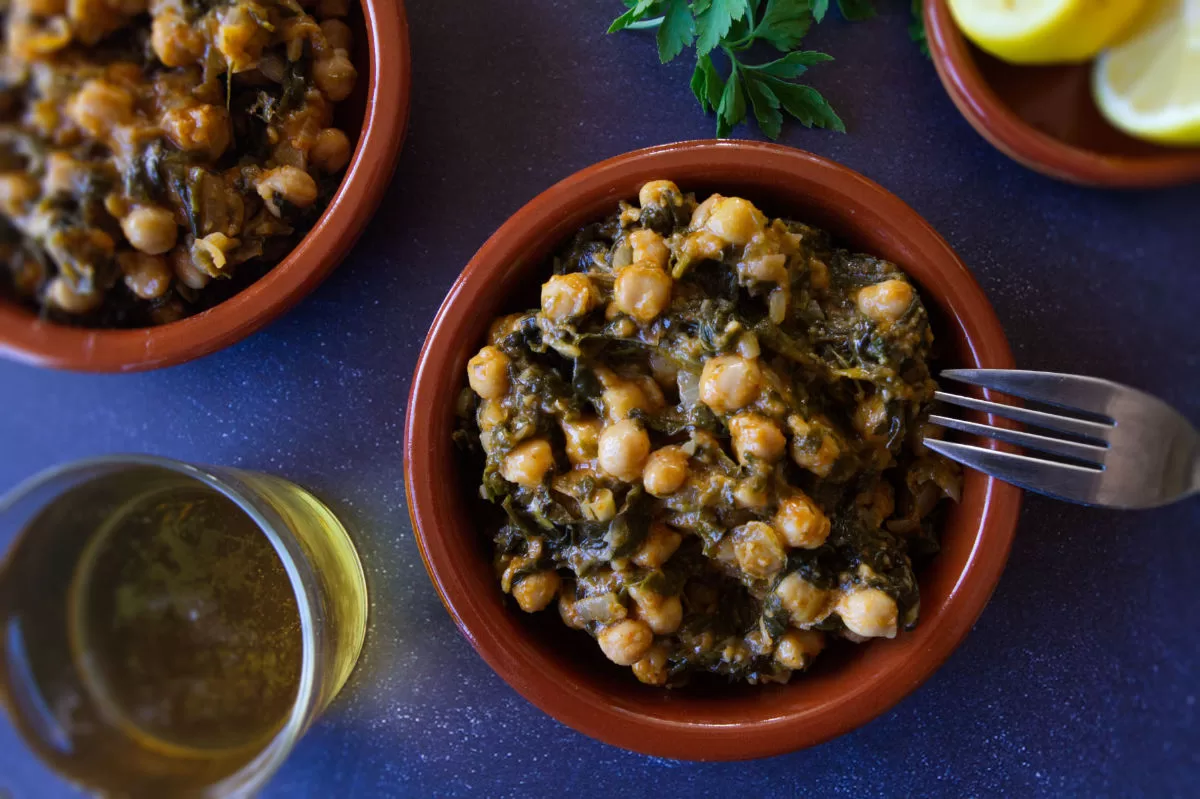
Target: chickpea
{"x": 147, "y": 276}
{"x": 652, "y": 668}
{"x": 735, "y": 220}
{"x": 150, "y": 229}
{"x": 813, "y": 448}
{"x": 503, "y": 327}
{"x": 175, "y": 42}
{"x": 491, "y": 413}
{"x": 802, "y": 523}
{"x": 335, "y": 75}
{"x": 41, "y": 8}
{"x": 622, "y": 398}
{"x": 98, "y": 106}
{"x": 600, "y": 507}
{"x": 730, "y": 382}
{"x": 17, "y": 191}
{"x": 536, "y": 591}
{"x": 818, "y": 274}
{"x": 626, "y": 641}
{"x": 658, "y": 547}
{"x": 665, "y": 472}
{"x": 240, "y": 39}
{"x": 885, "y": 302}
{"x": 623, "y": 449}
{"x": 567, "y": 297}
{"x": 331, "y": 151}
{"x": 871, "y": 418}
{"x": 750, "y": 494}
{"x": 797, "y": 648}
{"x": 756, "y": 436}
{"x": 649, "y": 246}
{"x": 703, "y": 212}
{"x": 487, "y": 373}
{"x": 583, "y": 438}
{"x": 527, "y": 463}
{"x": 642, "y": 290}
{"x": 758, "y": 549}
{"x": 62, "y": 172}
{"x": 210, "y": 253}
{"x": 664, "y": 614}
{"x": 200, "y": 128}
{"x": 659, "y": 193}
{"x": 61, "y": 295}
{"x": 186, "y": 272}
{"x": 569, "y": 613}
{"x": 805, "y": 603}
{"x": 868, "y": 612}
{"x": 337, "y": 34}
{"x": 289, "y": 183}
{"x": 703, "y": 246}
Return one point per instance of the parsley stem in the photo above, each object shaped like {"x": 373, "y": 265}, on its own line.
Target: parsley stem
{"x": 645, "y": 23}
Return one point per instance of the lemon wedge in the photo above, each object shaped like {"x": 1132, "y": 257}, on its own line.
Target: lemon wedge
{"x": 1149, "y": 84}
{"x": 1044, "y": 31}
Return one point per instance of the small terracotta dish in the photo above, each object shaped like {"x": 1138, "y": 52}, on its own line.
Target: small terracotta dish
{"x": 377, "y": 113}
{"x": 561, "y": 670}
{"x": 1044, "y": 116}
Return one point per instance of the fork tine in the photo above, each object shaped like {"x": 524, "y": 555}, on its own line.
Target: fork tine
{"x": 1059, "y": 480}
{"x": 1054, "y": 446}
{"x": 1046, "y": 421}
{"x": 1072, "y": 392}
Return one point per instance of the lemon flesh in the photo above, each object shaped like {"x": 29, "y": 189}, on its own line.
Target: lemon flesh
{"x": 1044, "y": 31}
{"x": 1149, "y": 84}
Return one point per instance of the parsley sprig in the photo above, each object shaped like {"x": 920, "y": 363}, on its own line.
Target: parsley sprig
{"x": 731, "y": 27}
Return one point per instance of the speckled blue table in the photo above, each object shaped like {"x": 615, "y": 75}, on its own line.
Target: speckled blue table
{"x": 1081, "y": 676}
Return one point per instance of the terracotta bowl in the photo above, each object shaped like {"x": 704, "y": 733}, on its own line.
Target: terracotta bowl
{"x": 1044, "y": 116}
{"x": 375, "y": 115}
{"x": 562, "y": 671}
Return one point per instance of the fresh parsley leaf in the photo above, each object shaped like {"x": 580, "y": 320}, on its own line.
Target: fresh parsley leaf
{"x": 716, "y": 84}
{"x": 856, "y": 10}
{"x": 713, "y": 23}
{"x": 676, "y": 31}
{"x": 792, "y": 65}
{"x": 766, "y": 106}
{"x": 806, "y": 104}
{"x": 700, "y": 86}
{"x": 785, "y": 23}
{"x": 636, "y": 11}
{"x": 707, "y": 85}
{"x": 819, "y": 9}
{"x": 732, "y": 110}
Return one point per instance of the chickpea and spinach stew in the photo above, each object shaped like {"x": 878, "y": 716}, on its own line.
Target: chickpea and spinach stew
{"x": 707, "y": 441}
{"x": 156, "y": 156}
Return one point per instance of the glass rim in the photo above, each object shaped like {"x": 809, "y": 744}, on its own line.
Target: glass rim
{"x": 252, "y": 775}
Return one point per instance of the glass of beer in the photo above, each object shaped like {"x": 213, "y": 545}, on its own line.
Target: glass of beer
{"x": 168, "y": 629}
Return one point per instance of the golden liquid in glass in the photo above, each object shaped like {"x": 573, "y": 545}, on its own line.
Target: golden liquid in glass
{"x": 152, "y": 639}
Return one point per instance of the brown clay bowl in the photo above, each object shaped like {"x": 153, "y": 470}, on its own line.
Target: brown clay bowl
{"x": 1044, "y": 116}
{"x": 562, "y": 671}
{"x": 375, "y": 115}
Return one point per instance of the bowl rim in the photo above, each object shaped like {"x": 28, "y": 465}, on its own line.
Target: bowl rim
{"x": 26, "y": 338}
{"x": 1025, "y": 144}
{"x": 431, "y": 506}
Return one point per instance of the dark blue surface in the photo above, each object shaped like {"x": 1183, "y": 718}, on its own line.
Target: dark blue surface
{"x": 1079, "y": 679}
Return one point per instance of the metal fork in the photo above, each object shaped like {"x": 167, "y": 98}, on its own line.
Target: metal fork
{"x": 1118, "y": 447}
